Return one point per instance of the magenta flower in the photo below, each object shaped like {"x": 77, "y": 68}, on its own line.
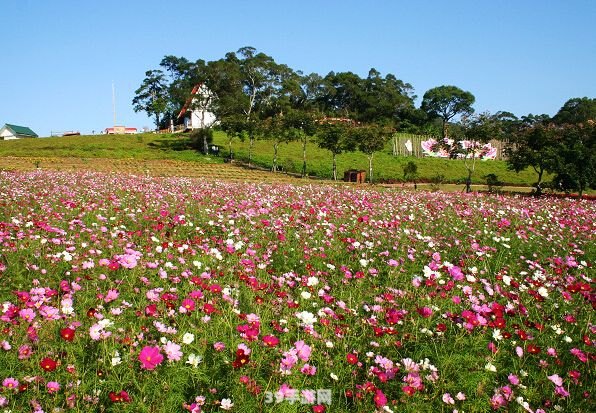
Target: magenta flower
{"x": 150, "y": 357}
{"x": 380, "y": 399}
{"x": 10, "y": 383}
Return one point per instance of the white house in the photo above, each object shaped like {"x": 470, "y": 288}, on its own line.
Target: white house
{"x": 195, "y": 111}
{"x": 9, "y": 132}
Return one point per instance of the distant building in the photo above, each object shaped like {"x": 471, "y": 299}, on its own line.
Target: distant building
{"x": 9, "y": 132}
{"x": 195, "y": 111}
{"x": 120, "y": 130}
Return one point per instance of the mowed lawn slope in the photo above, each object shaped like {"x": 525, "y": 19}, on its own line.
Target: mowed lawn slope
{"x": 176, "y": 147}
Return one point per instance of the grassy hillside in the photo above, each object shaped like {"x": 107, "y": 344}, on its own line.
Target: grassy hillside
{"x": 141, "y": 146}
{"x": 177, "y": 147}
{"x": 386, "y": 166}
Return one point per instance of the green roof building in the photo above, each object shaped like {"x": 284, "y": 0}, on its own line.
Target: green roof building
{"x": 8, "y": 132}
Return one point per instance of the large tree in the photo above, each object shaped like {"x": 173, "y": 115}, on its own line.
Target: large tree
{"x": 476, "y": 131}
{"x": 334, "y": 136}
{"x": 532, "y": 145}
{"x": 152, "y": 95}
{"x": 575, "y": 111}
{"x": 574, "y": 158}
{"x": 370, "y": 139}
{"x": 447, "y": 102}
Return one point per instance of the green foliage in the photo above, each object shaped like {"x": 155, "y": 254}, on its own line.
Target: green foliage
{"x": 446, "y": 102}
{"x": 576, "y": 110}
{"x": 200, "y": 139}
{"x": 532, "y": 147}
{"x": 574, "y": 158}
{"x": 410, "y": 171}
{"x": 493, "y": 182}
{"x": 151, "y": 96}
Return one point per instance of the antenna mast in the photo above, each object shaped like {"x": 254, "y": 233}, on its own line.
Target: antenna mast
{"x": 114, "y": 101}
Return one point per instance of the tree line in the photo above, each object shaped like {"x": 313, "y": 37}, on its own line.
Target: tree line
{"x": 254, "y": 97}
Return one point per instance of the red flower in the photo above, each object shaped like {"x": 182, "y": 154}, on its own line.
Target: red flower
{"x": 119, "y": 397}
{"x": 241, "y": 359}
{"x": 67, "y": 334}
{"x": 352, "y": 358}
{"x": 48, "y": 364}
{"x": 270, "y": 341}
{"x": 533, "y": 349}
{"x": 319, "y": 408}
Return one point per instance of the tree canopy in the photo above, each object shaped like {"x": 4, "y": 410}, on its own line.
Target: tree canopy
{"x": 446, "y": 102}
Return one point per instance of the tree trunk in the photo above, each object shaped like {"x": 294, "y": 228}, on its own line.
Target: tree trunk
{"x": 205, "y": 144}
{"x": 274, "y": 166}
{"x": 304, "y": 156}
{"x": 370, "y": 168}
{"x": 539, "y": 183}
{"x": 394, "y": 141}
{"x": 230, "y": 146}
{"x": 470, "y": 170}
{"x": 334, "y": 168}
{"x": 444, "y": 131}
{"x": 251, "y": 141}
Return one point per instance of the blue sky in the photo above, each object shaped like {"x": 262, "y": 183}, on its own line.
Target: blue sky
{"x": 60, "y": 57}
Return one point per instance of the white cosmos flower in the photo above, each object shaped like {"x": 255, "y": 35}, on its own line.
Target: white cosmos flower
{"x": 307, "y": 318}
{"x": 194, "y": 360}
{"x": 188, "y": 338}
{"x": 116, "y": 359}
{"x": 490, "y": 367}
{"x": 226, "y": 404}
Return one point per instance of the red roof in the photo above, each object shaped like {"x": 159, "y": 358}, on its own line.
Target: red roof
{"x": 189, "y": 100}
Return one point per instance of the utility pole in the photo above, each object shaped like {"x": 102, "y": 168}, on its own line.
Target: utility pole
{"x": 114, "y": 102}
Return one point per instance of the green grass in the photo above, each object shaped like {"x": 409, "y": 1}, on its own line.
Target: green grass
{"x": 142, "y": 146}
{"x": 385, "y": 165}
{"x": 177, "y": 147}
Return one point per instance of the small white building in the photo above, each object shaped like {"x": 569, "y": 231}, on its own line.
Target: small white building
{"x": 10, "y": 132}
{"x": 195, "y": 111}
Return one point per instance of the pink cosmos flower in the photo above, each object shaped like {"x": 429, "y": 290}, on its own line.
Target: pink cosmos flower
{"x": 302, "y": 350}
{"x": 10, "y": 383}
{"x": 53, "y": 386}
{"x": 150, "y": 357}
{"x": 24, "y": 352}
{"x": 308, "y": 396}
{"x": 308, "y": 370}
{"x": 219, "y": 346}
{"x": 111, "y": 295}
{"x": 285, "y": 392}
{"x": 27, "y": 314}
{"x": 172, "y": 351}
{"x": 556, "y": 379}
{"x": 448, "y": 399}
{"x": 560, "y": 391}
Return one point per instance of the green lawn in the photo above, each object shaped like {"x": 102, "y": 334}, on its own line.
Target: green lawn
{"x": 385, "y": 165}
{"x": 176, "y": 146}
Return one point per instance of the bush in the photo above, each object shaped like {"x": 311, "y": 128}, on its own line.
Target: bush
{"x": 436, "y": 181}
{"x": 493, "y": 182}
{"x": 200, "y": 139}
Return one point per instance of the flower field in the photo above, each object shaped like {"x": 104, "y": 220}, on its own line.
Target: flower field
{"x": 121, "y": 293}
